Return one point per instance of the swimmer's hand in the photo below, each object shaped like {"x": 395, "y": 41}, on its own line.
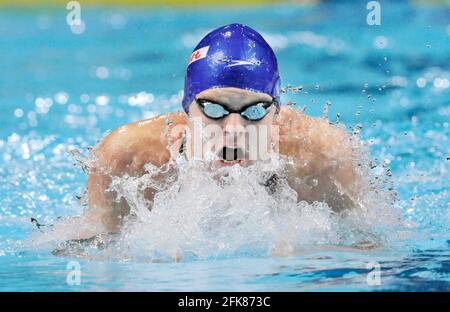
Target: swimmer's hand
{"x": 36, "y": 224}
{"x": 70, "y": 228}
{"x": 323, "y": 164}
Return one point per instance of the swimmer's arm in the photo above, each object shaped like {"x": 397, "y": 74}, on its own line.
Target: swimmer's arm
{"x": 100, "y": 215}
{"x": 325, "y": 166}
{"x": 125, "y": 151}
{"x": 103, "y": 211}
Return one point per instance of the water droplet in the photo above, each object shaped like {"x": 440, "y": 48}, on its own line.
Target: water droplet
{"x": 18, "y": 112}
{"x": 326, "y": 109}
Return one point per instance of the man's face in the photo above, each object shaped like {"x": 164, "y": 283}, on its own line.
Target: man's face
{"x": 231, "y": 139}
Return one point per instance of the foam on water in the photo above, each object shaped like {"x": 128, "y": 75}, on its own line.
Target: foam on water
{"x": 199, "y": 213}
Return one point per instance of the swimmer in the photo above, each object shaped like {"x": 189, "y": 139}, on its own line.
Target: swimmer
{"x": 232, "y": 83}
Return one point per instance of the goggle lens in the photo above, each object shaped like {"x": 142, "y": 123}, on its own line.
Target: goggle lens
{"x": 216, "y": 111}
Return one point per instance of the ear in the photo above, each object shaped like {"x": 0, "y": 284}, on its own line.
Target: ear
{"x": 275, "y": 137}
{"x": 278, "y": 108}
{"x": 175, "y": 125}
{"x": 177, "y": 136}
{"x": 276, "y": 115}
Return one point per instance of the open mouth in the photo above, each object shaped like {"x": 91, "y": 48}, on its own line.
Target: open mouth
{"x": 231, "y": 155}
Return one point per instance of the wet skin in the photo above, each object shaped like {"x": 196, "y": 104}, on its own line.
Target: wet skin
{"x": 324, "y": 167}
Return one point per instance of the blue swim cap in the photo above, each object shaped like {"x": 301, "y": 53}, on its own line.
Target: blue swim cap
{"x": 232, "y": 56}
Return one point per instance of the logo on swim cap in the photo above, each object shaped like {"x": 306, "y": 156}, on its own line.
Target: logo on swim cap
{"x": 242, "y": 62}
{"x": 236, "y": 56}
{"x": 198, "y": 54}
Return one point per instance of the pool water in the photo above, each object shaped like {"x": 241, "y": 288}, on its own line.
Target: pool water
{"x": 60, "y": 92}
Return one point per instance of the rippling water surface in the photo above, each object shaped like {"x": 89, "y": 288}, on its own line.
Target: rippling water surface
{"x": 60, "y": 92}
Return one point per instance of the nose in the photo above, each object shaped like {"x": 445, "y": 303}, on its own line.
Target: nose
{"x": 234, "y": 128}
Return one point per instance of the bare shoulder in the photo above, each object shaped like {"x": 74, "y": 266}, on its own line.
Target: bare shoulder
{"x": 324, "y": 152}
{"x": 128, "y": 148}
{"x": 315, "y": 136}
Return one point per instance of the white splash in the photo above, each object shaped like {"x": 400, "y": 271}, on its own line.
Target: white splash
{"x": 199, "y": 213}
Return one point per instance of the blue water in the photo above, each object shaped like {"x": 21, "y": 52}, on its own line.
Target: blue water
{"x": 60, "y": 90}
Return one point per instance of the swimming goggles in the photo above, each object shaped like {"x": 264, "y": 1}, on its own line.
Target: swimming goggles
{"x": 252, "y": 112}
